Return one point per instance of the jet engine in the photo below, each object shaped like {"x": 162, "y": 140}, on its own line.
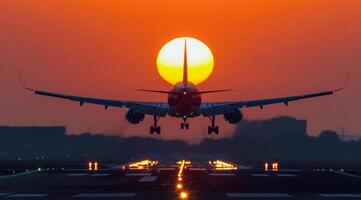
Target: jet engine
{"x": 233, "y": 117}
{"x": 134, "y": 117}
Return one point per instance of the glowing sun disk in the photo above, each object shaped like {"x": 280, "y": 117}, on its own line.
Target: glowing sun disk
{"x": 170, "y": 60}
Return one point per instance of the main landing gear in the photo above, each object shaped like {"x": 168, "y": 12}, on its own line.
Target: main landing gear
{"x": 213, "y": 128}
{"x": 184, "y": 124}
{"x": 155, "y": 128}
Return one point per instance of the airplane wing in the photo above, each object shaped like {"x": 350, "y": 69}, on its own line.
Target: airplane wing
{"x": 150, "y": 108}
{"x": 219, "y": 108}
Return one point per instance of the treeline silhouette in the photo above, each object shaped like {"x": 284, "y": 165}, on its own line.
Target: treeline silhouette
{"x": 282, "y": 138}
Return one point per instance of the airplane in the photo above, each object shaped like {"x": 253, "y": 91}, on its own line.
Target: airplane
{"x": 184, "y": 101}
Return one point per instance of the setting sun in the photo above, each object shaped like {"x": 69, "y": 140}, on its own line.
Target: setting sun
{"x": 199, "y": 56}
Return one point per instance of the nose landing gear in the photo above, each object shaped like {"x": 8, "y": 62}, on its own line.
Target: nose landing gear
{"x": 184, "y": 124}
{"x": 213, "y": 128}
{"x": 155, "y": 128}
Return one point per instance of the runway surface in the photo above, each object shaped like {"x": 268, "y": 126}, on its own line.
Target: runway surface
{"x": 199, "y": 181}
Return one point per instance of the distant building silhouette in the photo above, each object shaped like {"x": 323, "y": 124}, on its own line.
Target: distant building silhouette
{"x": 281, "y": 138}
{"x": 261, "y": 131}
{"x": 17, "y": 137}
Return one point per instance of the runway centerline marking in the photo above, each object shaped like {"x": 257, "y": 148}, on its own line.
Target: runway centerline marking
{"x": 286, "y": 175}
{"x": 260, "y": 175}
{"x": 104, "y": 195}
{"x": 100, "y": 174}
{"x": 135, "y": 174}
{"x": 197, "y": 169}
{"x": 148, "y": 179}
{"x": 257, "y": 195}
{"x": 78, "y": 174}
{"x": 339, "y": 195}
{"x": 30, "y": 195}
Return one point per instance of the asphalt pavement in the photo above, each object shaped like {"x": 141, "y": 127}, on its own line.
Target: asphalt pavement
{"x": 198, "y": 181}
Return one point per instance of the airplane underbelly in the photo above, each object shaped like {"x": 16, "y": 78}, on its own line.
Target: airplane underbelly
{"x": 184, "y": 109}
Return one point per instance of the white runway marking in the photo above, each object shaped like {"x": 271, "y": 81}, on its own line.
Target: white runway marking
{"x": 257, "y": 195}
{"x": 137, "y": 174}
{"x": 148, "y": 179}
{"x": 19, "y": 174}
{"x": 261, "y": 175}
{"x": 104, "y": 195}
{"x": 78, "y": 174}
{"x": 27, "y": 195}
{"x": 340, "y": 195}
{"x": 347, "y": 174}
{"x": 286, "y": 175}
{"x": 100, "y": 174}
{"x": 197, "y": 169}
{"x": 219, "y": 174}
{"x": 4, "y": 194}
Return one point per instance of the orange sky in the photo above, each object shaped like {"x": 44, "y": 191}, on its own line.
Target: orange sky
{"x": 262, "y": 48}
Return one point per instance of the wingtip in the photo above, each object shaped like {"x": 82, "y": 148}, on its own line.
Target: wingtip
{"x": 22, "y": 83}
{"x": 348, "y": 76}
{"x": 338, "y": 89}
{"x": 346, "y": 82}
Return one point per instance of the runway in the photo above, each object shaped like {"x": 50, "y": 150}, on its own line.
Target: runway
{"x": 200, "y": 181}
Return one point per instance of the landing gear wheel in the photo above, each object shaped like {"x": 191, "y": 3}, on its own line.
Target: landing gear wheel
{"x": 213, "y": 128}
{"x": 184, "y": 125}
{"x": 153, "y": 130}
{"x": 155, "y": 127}
{"x": 158, "y": 130}
{"x": 209, "y": 130}
{"x": 216, "y": 130}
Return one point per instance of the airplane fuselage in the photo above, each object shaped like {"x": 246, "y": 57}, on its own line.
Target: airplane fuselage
{"x": 184, "y": 100}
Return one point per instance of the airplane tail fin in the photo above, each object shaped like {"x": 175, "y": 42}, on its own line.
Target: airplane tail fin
{"x": 185, "y": 78}
{"x": 185, "y": 64}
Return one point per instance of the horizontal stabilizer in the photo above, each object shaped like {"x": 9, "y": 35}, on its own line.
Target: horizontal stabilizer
{"x": 213, "y": 91}
{"x": 158, "y": 91}
{"x": 200, "y": 92}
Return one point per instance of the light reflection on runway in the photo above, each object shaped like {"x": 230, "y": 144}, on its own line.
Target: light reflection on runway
{"x": 182, "y": 180}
